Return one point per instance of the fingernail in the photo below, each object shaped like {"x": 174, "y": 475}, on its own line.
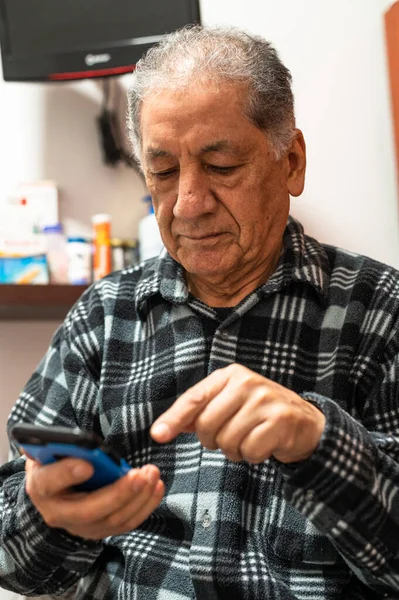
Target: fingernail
{"x": 160, "y": 430}
{"x": 152, "y": 476}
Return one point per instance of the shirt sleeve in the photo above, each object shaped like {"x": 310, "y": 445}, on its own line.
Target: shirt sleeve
{"x": 349, "y": 487}
{"x": 34, "y": 558}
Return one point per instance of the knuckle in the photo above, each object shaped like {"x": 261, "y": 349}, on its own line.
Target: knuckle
{"x": 197, "y": 396}
{"x": 233, "y": 368}
{"x": 228, "y": 445}
{"x": 284, "y": 420}
{"x": 251, "y": 454}
{"x": 203, "y": 425}
{"x": 285, "y": 412}
{"x": 239, "y": 370}
{"x": 289, "y": 443}
{"x": 246, "y": 381}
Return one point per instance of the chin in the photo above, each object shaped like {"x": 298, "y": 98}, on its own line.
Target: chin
{"x": 206, "y": 269}
{"x": 204, "y": 273}
{"x": 206, "y": 264}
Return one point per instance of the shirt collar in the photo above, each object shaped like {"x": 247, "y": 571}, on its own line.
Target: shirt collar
{"x": 161, "y": 275}
{"x": 302, "y": 259}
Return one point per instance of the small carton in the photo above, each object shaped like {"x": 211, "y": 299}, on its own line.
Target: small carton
{"x": 29, "y": 209}
{"x": 24, "y": 260}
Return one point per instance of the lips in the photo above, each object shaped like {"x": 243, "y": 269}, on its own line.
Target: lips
{"x": 201, "y": 237}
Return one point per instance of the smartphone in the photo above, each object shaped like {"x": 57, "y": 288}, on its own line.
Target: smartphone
{"x": 49, "y": 444}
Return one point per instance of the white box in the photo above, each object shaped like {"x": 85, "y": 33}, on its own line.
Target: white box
{"x": 29, "y": 208}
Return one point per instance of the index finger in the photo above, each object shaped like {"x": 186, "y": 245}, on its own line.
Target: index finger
{"x": 188, "y": 407}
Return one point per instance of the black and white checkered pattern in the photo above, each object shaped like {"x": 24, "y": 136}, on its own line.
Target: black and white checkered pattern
{"x": 326, "y": 326}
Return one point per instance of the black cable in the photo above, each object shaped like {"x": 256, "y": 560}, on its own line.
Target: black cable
{"x": 109, "y": 130}
{"x": 106, "y": 92}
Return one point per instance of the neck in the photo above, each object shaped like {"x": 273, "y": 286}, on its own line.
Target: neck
{"x": 228, "y": 290}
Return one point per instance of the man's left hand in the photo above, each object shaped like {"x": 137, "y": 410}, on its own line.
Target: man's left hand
{"x": 247, "y": 416}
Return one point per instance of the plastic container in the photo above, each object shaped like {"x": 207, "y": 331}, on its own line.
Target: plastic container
{"x": 102, "y": 264}
{"x": 79, "y": 261}
{"x": 117, "y": 255}
{"x": 150, "y": 241}
{"x": 56, "y": 253}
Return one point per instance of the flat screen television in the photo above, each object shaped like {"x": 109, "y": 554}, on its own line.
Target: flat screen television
{"x": 45, "y": 40}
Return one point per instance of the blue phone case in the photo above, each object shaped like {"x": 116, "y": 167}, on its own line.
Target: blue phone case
{"x": 106, "y": 470}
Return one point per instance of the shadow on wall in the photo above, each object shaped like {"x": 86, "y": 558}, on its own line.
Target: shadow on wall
{"x": 72, "y": 155}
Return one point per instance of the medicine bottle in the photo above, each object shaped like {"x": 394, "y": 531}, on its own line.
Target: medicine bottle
{"x": 56, "y": 253}
{"x": 101, "y": 245}
{"x": 79, "y": 261}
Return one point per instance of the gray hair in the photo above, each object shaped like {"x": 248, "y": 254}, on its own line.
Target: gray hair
{"x": 219, "y": 54}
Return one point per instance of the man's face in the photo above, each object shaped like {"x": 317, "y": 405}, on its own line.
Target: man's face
{"x": 220, "y": 198}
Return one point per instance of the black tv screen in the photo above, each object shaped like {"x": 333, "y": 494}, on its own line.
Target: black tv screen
{"x": 76, "y": 39}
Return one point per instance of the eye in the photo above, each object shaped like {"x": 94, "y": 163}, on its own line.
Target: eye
{"x": 222, "y": 170}
{"x": 164, "y": 174}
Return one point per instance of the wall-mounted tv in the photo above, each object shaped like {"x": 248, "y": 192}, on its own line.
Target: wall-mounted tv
{"x": 44, "y": 40}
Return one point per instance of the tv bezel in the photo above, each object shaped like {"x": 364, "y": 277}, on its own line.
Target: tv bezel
{"x": 67, "y": 66}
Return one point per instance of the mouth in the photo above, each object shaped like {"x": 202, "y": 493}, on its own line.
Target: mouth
{"x": 202, "y": 238}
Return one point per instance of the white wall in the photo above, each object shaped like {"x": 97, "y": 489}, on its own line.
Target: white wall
{"x": 335, "y": 51}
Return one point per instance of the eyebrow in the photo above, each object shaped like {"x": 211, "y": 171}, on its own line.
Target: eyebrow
{"x": 217, "y": 146}
{"x": 156, "y": 152}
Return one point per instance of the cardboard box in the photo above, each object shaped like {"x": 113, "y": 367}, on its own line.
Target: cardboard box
{"x": 29, "y": 209}
{"x": 23, "y": 261}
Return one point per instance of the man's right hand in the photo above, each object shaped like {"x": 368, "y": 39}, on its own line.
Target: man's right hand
{"x": 112, "y": 510}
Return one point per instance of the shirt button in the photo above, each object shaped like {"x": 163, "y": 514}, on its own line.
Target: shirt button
{"x": 225, "y": 334}
{"x": 310, "y": 495}
{"x": 206, "y": 520}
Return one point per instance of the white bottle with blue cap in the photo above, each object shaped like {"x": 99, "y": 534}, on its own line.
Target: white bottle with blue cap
{"x": 150, "y": 241}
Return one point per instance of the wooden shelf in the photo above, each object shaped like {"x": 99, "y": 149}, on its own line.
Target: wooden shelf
{"x": 41, "y": 302}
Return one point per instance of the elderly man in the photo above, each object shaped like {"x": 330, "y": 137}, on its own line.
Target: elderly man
{"x": 249, "y": 374}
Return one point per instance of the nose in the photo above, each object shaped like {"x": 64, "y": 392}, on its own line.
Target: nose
{"x": 194, "y": 197}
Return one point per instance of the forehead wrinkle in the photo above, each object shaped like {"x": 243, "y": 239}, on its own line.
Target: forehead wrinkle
{"x": 219, "y": 146}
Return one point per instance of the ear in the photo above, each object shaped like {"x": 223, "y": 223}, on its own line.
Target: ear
{"x": 296, "y": 164}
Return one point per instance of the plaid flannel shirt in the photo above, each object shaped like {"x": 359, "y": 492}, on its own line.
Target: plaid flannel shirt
{"x": 324, "y": 325}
